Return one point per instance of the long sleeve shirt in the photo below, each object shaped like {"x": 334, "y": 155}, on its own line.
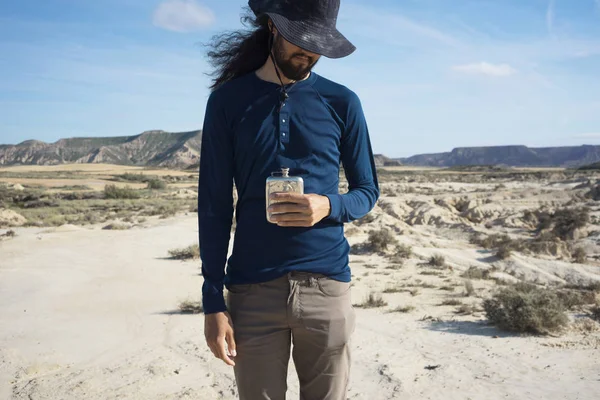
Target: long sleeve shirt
{"x": 247, "y": 135}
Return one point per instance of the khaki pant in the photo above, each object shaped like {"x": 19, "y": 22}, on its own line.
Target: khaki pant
{"x": 312, "y": 312}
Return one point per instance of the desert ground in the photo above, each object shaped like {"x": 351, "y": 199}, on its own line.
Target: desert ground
{"x": 468, "y": 283}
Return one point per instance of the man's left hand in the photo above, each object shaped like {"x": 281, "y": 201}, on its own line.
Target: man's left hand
{"x": 299, "y": 210}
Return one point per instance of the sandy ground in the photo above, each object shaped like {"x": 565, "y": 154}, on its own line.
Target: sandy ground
{"x": 99, "y": 175}
{"x": 92, "y": 314}
{"x": 92, "y": 169}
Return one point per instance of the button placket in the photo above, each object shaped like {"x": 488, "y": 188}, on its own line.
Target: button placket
{"x": 284, "y": 127}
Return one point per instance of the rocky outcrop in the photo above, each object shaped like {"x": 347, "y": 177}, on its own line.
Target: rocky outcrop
{"x": 517, "y": 156}
{"x": 156, "y": 148}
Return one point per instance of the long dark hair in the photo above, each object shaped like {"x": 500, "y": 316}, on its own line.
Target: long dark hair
{"x": 236, "y": 53}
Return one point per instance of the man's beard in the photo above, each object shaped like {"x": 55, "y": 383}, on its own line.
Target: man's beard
{"x": 289, "y": 66}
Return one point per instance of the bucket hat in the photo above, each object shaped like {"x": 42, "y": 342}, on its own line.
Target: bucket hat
{"x": 308, "y": 24}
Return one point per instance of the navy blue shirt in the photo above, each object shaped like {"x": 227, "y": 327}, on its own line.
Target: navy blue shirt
{"x": 248, "y": 135}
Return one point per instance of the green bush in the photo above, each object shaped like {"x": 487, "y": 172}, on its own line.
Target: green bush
{"x": 526, "y": 309}
{"x": 114, "y": 192}
{"x": 157, "y": 184}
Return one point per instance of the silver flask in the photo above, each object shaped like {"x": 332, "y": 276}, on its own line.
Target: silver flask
{"x": 280, "y": 182}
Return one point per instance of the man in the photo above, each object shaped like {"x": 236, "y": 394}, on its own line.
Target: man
{"x": 287, "y": 281}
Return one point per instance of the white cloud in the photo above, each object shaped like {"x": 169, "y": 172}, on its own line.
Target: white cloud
{"x": 182, "y": 16}
{"x": 484, "y": 68}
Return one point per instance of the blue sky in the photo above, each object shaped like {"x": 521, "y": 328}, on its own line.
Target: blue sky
{"x": 432, "y": 74}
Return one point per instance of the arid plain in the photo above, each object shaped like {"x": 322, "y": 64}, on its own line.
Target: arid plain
{"x": 468, "y": 283}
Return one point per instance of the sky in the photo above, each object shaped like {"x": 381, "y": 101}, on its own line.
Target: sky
{"x": 432, "y": 75}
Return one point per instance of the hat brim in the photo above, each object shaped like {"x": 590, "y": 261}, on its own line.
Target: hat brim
{"x": 314, "y": 38}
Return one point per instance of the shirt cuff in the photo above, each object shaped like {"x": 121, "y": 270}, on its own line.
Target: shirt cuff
{"x": 213, "y": 300}
{"x": 335, "y": 201}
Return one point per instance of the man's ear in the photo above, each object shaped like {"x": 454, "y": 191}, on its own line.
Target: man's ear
{"x": 272, "y": 27}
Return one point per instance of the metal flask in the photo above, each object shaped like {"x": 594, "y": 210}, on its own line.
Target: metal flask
{"x": 280, "y": 182}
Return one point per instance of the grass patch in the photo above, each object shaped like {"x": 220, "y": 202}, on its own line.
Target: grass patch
{"x": 526, "y": 309}
{"x": 402, "y": 309}
{"x": 114, "y": 192}
{"x": 117, "y": 226}
{"x": 466, "y": 309}
{"x": 373, "y": 301}
{"x": 448, "y": 288}
{"x": 431, "y": 273}
{"x": 188, "y": 253}
{"x": 191, "y": 307}
{"x": 451, "y": 302}
{"x": 476, "y": 273}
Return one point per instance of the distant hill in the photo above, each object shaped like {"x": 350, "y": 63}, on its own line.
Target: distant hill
{"x": 383, "y": 161}
{"x": 587, "y": 167}
{"x": 182, "y": 150}
{"x": 516, "y": 156}
{"x": 156, "y": 148}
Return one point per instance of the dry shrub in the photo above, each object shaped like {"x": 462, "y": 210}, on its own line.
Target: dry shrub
{"x": 403, "y": 251}
{"x": 114, "y": 192}
{"x": 527, "y": 309}
{"x": 367, "y": 219}
{"x": 8, "y": 234}
{"x": 191, "y": 307}
{"x": 576, "y": 298}
{"x": 594, "y": 193}
{"x": 469, "y": 289}
{"x": 476, "y": 273}
{"x": 579, "y": 255}
{"x": 116, "y": 226}
{"x": 504, "y": 252}
{"x": 595, "y": 313}
{"x": 437, "y": 260}
{"x": 157, "y": 184}
{"x": 465, "y": 309}
{"x": 451, "y": 302}
{"x": 567, "y": 221}
{"x": 373, "y": 301}
{"x": 404, "y": 310}
{"x": 381, "y": 240}
{"x": 188, "y": 253}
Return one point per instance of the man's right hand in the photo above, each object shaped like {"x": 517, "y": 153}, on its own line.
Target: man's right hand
{"x": 218, "y": 331}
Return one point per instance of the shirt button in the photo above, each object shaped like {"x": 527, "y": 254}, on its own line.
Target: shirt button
{"x": 283, "y": 120}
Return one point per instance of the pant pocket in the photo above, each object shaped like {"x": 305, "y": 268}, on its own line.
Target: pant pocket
{"x": 332, "y": 288}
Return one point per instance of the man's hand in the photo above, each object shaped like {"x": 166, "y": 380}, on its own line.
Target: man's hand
{"x": 218, "y": 330}
{"x": 299, "y": 210}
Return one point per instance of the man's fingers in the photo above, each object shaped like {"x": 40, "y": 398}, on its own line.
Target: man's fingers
{"x": 291, "y": 197}
{"x": 291, "y": 217}
{"x": 296, "y": 224}
{"x": 284, "y": 208}
{"x": 231, "y": 344}
{"x": 222, "y": 352}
